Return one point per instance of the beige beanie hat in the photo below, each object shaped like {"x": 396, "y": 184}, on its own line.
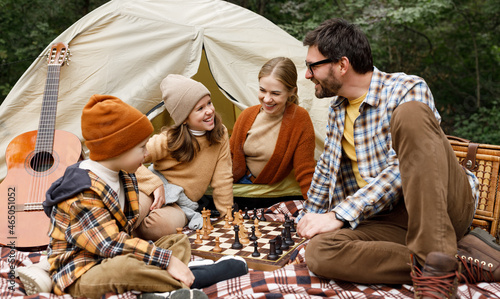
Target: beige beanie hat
{"x": 180, "y": 94}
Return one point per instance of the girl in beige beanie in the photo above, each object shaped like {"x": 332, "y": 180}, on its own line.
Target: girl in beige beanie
{"x": 190, "y": 156}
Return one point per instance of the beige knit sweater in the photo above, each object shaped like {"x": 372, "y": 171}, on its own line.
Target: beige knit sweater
{"x": 261, "y": 141}
{"x": 294, "y": 148}
{"x": 211, "y": 166}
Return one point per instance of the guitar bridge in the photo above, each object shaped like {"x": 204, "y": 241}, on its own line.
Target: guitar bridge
{"x": 29, "y": 207}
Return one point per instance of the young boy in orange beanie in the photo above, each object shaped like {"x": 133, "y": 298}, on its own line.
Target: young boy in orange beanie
{"x": 94, "y": 207}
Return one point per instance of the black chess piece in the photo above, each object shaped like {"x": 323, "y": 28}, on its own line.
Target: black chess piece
{"x": 236, "y": 244}
{"x": 279, "y": 251}
{"x": 246, "y": 214}
{"x": 254, "y": 214}
{"x": 284, "y": 245}
{"x": 214, "y": 214}
{"x": 256, "y": 252}
{"x": 272, "y": 250}
{"x": 292, "y": 226}
{"x": 288, "y": 235}
{"x": 253, "y": 237}
{"x": 262, "y": 218}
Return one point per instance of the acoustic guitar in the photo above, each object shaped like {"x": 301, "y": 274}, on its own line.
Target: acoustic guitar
{"x": 34, "y": 161}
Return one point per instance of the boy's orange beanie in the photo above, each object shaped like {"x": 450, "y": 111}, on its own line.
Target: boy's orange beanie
{"x": 111, "y": 127}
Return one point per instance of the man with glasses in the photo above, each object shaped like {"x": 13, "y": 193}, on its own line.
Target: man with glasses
{"x": 387, "y": 188}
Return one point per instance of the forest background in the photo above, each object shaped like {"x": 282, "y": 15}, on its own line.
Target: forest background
{"x": 453, "y": 44}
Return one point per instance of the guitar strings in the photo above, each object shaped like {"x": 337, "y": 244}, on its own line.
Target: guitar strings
{"x": 43, "y": 159}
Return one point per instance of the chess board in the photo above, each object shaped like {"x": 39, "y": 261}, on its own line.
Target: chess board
{"x": 269, "y": 231}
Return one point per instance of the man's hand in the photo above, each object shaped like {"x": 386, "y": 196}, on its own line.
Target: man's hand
{"x": 159, "y": 198}
{"x": 180, "y": 271}
{"x": 312, "y": 224}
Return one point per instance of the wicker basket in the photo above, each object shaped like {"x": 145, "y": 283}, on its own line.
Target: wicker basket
{"x": 484, "y": 161}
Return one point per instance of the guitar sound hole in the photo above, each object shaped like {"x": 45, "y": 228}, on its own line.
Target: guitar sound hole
{"x": 42, "y": 161}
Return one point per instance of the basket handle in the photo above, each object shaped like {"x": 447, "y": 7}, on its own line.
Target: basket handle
{"x": 459, "y": 139}
{"x": 470, "y": 160}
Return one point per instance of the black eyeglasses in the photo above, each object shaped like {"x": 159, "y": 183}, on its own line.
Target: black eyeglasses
{"x": 311, "y": 65}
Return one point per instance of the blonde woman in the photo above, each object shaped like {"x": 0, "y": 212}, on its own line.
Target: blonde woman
{"x": 273, "y": 138}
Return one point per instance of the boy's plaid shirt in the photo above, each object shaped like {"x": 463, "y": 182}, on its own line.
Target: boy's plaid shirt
{"x": 91, "y": 227}
{"x": 334, "y": 186}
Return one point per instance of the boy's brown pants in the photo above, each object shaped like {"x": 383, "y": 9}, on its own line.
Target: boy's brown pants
{"x": 436, "y": 211}
{"x": 126, "y": 273}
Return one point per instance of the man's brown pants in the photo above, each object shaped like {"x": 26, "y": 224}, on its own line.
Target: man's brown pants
{"x": 436, "y": 211}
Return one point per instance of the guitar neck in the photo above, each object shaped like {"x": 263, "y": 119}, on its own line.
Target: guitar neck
{"x": 46, "y": 127}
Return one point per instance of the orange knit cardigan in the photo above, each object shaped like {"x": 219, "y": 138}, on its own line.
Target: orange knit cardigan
{"x": 294, "y": 148}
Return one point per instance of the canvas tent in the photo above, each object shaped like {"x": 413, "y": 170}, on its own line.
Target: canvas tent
{"x": 125, "y": 48}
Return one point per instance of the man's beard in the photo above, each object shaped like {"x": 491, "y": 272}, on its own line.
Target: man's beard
{"x": 328, "y": 88}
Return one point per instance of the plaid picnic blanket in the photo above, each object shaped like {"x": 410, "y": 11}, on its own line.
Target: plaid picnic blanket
{"x": 278, "y": 211}
{"x": 291, "y": 281}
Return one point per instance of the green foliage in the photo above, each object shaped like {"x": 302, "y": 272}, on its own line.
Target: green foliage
{"x": 453, "y": 44}
{"x": 27, "y": 27}
{"x": 482, "y": 126}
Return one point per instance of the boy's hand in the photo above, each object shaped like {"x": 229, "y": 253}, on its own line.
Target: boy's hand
{"x": 159, "y": 198}
{"x": 180, "y": 271}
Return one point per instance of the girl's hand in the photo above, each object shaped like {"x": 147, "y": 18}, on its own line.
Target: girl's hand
{"x": 159, "y": 198}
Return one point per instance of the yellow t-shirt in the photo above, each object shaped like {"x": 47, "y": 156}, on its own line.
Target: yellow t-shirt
{"x": 352, "y": 112}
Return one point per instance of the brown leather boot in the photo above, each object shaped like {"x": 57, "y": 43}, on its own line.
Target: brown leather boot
{"x": 439, "y": 277}
{"x": 480, "y": 256}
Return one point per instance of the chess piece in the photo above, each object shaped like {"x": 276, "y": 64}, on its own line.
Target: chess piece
{"x": 262, "y": 218}
{"x": 209, "y": 221}
{"x": 254, "y": 216}
{"x": 255, "y": 250}
{"x": 272, "y": 250}
{"x": 240, "y": 217}
{"x": 198, "y": 239}
{"x": 179, "y": 230}
{"x": 237, "y": 218}
{"x": 206, "y": 220}
{"x": 205, "y": 235}
{"x": 292, "y": 226}
{"x": 229, "y": 214}
{"x": 284, "y": 245}
{"x": 246, "y": 214}
{"x": 278, "y": 249}
{"x": 236, "y": 244}
{"x": 243, "y": 231}
{"x": 226, "y": 224}
{"x": 253, "y": 237}
{"x": 288, "y": 236}
{"x": 244, "y": 235}
{"x": 217, "y": 245}
{"x": 203, "y": 216}
{"x": 257, "y": 230}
